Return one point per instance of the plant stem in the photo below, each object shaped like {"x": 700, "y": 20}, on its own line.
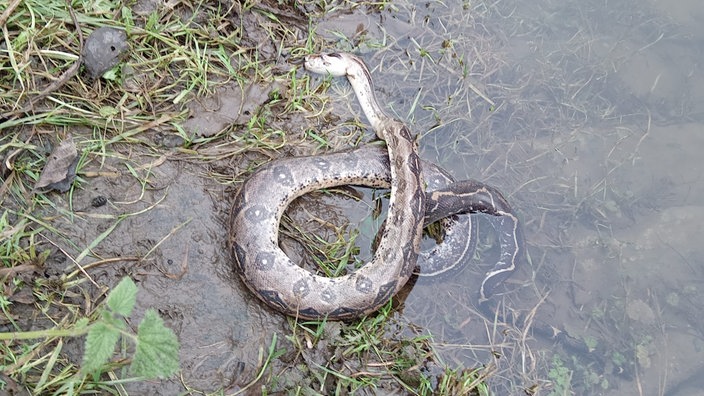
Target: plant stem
{"x": 28, "y": 335}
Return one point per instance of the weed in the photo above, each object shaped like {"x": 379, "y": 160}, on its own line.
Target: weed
{"x": 561, "y": 377}
{"x": 367, "y": 352}
{"x": 155, "y": 345}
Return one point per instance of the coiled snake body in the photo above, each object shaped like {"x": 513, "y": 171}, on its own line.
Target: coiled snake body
{"x": 262, "y": 199}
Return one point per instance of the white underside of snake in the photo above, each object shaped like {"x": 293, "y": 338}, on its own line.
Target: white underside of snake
{"x": 262, "y": 199}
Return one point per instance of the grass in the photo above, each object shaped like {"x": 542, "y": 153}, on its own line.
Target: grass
{"x": 64, "y": 331}
{"x": 156, "y": 348}
{"x": 372, "y": 352}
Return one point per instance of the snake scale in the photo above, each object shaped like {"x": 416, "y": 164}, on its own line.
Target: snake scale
{"x": 262, "y": 199}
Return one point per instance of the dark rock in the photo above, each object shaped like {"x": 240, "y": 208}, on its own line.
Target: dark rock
{"x": 103, "y": 50}
{"x": 98, "y": 201}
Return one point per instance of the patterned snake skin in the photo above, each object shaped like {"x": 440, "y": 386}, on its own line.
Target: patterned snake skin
{"x": 271, "y": 275}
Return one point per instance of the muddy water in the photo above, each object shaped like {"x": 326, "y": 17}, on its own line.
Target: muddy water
{"x": 587, "y": 114}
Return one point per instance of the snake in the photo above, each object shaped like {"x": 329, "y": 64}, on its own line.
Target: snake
{"x": 420, "y": 193}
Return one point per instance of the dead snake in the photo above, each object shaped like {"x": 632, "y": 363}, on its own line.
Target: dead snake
{"x": 261, "y": 200}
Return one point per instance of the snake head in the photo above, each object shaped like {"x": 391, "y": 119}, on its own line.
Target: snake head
{"x": 341, "y": 64}
{"x": 335, "y": 64}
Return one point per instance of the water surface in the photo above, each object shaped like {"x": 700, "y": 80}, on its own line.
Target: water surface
{"x": 588, "y": 115}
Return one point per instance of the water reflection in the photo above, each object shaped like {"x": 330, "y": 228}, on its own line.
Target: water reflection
{"x": 588, "y": 116}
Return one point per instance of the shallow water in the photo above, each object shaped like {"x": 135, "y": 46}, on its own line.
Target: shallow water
{"x": 586, "y": 114}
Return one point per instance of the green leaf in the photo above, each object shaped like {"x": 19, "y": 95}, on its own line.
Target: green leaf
{"x": 157, "y": 348}
{"x": 82, "y": 324}
{"x": 111, "y": 75}
{"x": 123, "y": 296}
{"x": 100, "y": 346}
{"x": 108, "y": 111}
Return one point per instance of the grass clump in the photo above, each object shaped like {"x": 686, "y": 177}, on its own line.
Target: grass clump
{"x": 155, "y": 348}
{"x": 373, "y": 354}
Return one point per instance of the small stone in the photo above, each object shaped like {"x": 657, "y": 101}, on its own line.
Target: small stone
{"x": 98, "y": 201}
{"x": 103, "y": 50}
